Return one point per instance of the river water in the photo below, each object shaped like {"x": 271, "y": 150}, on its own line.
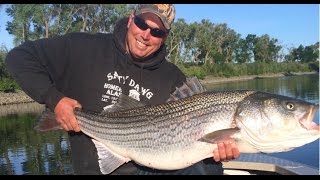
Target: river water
{"x": 24, "y": 151}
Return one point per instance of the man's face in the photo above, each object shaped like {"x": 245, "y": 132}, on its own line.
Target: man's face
{"x": 141, "y": 43}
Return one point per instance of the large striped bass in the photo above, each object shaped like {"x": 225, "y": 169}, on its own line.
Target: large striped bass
{"x": 186, "y": 129}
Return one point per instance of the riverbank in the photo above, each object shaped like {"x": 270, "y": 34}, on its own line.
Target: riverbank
{"x": 14, "y": 98}
{"x": 21, "y": 97}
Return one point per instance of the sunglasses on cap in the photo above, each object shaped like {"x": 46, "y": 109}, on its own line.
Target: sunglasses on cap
{"x": 141, "y": 24}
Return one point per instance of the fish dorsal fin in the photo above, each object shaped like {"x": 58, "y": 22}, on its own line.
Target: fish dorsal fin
{"x": 124, "y": 103}
{"x": 108, "y": 161}
{"x": 195, "y": 85}
{"x": 219, "y": 136}
{"x": 191, "y": 87}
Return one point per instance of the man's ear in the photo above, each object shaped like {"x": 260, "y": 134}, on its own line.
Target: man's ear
{"x": 165, "y": 38}
{"x": 130, "y": 19}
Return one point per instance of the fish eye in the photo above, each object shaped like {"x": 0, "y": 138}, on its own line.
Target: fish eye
{"x": 290, "y": 106}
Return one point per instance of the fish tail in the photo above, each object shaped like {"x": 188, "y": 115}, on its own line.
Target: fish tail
{"x": 47, "y": 121}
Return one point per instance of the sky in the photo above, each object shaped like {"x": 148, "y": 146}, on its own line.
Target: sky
{"x": 291, "y": 24}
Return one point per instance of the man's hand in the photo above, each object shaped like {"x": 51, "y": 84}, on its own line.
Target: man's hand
{"x": 65, "y": 116}
{"x": 226, "y": 151}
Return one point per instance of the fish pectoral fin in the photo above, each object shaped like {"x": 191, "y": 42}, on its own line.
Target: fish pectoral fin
{"x": 108, "y": 161}
{"x": 219, "y": 136}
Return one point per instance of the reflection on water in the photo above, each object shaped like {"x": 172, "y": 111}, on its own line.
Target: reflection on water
{"x": 25, "y": 151}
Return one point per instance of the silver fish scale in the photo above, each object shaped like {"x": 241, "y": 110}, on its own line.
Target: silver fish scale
{"x": 159, "y": 127}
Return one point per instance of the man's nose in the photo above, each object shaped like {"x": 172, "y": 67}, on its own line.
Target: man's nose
{"x": 146, "y": 34}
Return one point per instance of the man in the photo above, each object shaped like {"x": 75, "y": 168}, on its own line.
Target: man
{"x": 91, "y": 71}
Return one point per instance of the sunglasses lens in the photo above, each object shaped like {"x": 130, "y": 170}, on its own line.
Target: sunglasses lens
{"x": 140, "y": 23}
{"x": 143, "y": 26}
{"x": 157, "y": 33}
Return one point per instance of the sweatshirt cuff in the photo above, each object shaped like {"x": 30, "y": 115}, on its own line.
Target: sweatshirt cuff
{"x": 53, "y": 97}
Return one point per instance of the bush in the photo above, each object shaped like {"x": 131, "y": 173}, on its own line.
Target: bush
{"x": 196, "y": 71}
{"x": 314, "y": 66}
{"x": 8, "y": 85}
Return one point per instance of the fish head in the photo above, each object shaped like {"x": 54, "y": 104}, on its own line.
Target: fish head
{"x": 274, "y": 123}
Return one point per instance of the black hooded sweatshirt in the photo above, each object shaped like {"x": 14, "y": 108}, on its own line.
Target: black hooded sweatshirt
{"x": 94, "y": 69}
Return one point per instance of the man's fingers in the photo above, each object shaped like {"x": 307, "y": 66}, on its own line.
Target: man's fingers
{"x": 63, "y": 124}
{"x": 216, "y": 155}
{"x": 71, "y": 123}
{"x": 235, "y": 151}
{"x": 78, "y": 105}
{"x": 220, "y": 153}
{"x": 74, "y": 125}
{"x": 228, "y": 150}
{"x": 64, "y": 111}
{"x": 74, "y": 122}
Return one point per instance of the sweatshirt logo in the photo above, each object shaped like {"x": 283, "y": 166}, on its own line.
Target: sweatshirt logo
{"x": 113, "y": 88}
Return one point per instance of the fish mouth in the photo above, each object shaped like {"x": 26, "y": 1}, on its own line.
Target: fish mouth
{"x": 307, "y": 120}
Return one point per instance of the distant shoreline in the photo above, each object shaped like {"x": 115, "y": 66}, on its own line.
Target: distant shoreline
{"x": 219, "y": 80}
{"x": 19, "y": 96}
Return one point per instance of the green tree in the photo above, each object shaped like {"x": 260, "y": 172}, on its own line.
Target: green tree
{"x": 20, "y": 25}
{"x": 175, "y": 43}
{"x": 304, "y": 54}
{"x": 242, "y": 53}
{"x": 35, "y": 21}
{"x": 3, "y": 54}
{"x": 310, "y": 53}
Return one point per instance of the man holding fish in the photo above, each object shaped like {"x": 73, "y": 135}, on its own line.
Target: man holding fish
{"x": 91, "y": 71}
